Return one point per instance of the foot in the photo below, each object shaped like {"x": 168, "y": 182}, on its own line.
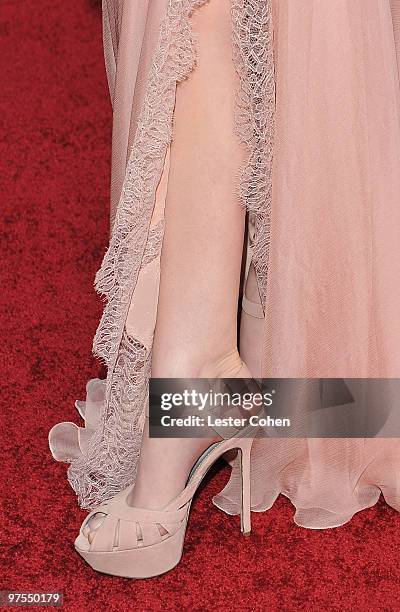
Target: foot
{"x": 165, "y": 463}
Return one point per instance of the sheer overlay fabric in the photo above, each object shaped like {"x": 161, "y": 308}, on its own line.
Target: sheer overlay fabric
{"x": 318, "y": 107}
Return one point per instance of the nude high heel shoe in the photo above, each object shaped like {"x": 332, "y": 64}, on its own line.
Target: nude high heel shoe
{"x": 139, "y": 543}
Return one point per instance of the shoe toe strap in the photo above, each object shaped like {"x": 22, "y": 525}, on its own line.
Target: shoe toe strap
{"x": 104, "y": 537}
{"x": 127, "y": 535}
{"x": 145, "y": 516}
{"x": 144, "y": 528}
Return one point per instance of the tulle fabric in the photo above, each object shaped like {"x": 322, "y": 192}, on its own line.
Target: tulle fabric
{"x": 327, "y": 218}
{"x": 332, "y": 294}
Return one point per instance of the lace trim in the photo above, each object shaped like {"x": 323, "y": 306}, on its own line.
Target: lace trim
{"x": 154, "y": 243}
{"x": 173, "y": 61}
{"x": 252, "y": 23}
{"x": 110, "y": 461}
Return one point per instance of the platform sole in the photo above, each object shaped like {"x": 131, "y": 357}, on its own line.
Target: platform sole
{"x": 145, "y": 562}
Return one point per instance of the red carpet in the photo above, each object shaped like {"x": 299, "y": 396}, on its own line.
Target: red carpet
{"x": 55, "y": 121}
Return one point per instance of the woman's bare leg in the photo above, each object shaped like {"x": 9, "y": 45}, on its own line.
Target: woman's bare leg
{"x": 196, "y": 330}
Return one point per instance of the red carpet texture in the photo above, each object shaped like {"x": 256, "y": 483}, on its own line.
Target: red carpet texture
{"x": 55, "y": 134}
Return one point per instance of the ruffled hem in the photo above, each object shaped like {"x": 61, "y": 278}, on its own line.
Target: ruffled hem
{"x": 67, "y": 441}
{"x": 327, "y": 480}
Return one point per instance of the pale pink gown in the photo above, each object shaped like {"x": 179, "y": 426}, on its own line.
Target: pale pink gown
{"x": 319, "y": 110}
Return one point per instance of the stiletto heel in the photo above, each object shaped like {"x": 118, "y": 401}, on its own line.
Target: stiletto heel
{"x": 245, "y": 514}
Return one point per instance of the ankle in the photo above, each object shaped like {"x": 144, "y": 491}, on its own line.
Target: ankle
{"x": 227, "y": 365}
{"x": 187, "y": 365}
